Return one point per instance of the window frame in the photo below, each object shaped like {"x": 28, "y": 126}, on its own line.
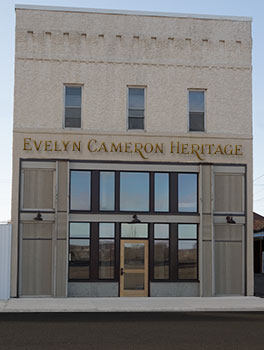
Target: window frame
{"x": 144, "y": 87}
{"x": 65, "y": 85}
{"x": 204, "y": 90}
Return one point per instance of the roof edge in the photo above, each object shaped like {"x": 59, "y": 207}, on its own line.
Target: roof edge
{"x": 130, "y": 12}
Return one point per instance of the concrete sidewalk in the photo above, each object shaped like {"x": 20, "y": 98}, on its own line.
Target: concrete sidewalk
{"x": 132, "y": 304}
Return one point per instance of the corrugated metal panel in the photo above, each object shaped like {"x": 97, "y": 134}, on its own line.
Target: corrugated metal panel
{"x": 5, "y": 260}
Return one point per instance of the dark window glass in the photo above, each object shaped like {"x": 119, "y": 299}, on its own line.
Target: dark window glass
{"x": 161, "y": 251}
{"x": 73, "y": 100}
{"x": 161, "y": 259}
{"x": 196, "y": 110}
{"x": 161, "y": 192}
{"x": 134, "y": 191}
{"x": 80, "y": 190}
{"x": 107, "y": 190}
{"x": 187, "y": 193}
{"x": 106, "y": 258}
{"x": 79, "y": 250}
{"x": 187, "y": 259}
{"x": 136, "y": 108}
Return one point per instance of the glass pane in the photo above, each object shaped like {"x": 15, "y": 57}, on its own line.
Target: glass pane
{"x": 79, "y": 250}
{"x": 161, "y": 231}
{"x": 79, "y": 271}
{"x": 187, "y": 258}
{"x": 106, "y": 230}
{"x": 79, "y": 229}
{"x": 107, "y": 190}
{"x": 196, "y": 121}
{"x": 187, "y": 231}
{"x": 73, "y": 122}
{"x": 106, "y": 258}
{"x": 187, "y": 192}
{"x": 80, "y": 190}
{"x": 134, "y": 256}
{"x": 134, "y": 281}
{"x": 73, "y": 96}
{"x": 196, "y": 101}
{"x": 134, "y": 191}
{"x": 73, "y": 113}
{"x": 134, "y": 230}
{"x": 136, "y": 113}
{"x": 136, "y": 123}
{"x": 162, "y": 192}
{"x": 161, "y": 259}
{"x": 136, "y": 98}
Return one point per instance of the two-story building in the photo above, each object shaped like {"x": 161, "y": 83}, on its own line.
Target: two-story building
{"x": 132, "y": 154}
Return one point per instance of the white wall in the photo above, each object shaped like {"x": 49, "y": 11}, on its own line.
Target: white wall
{"x": 5, "y": 259}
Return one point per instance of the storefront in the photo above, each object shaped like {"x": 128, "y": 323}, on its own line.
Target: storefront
{"x": 141, "y": 210}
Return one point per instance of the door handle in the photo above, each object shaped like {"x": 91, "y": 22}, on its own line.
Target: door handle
{"x": 121, "y": 271}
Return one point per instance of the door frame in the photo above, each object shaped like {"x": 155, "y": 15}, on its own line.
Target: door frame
{"x": 134, "y": 293}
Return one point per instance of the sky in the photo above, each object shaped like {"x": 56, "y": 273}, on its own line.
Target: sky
{"x": 252, "y": 8}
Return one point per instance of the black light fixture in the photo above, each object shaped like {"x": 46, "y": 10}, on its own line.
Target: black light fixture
{"x": 230, "y": 220}
{"x": 38, "y": 217}
{"x": 135, "y": 219}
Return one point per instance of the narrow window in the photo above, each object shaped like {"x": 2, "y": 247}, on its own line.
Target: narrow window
{"x": 161, "y": 251}
{"x": 136, "y": 108}
{"x": 80, "y": 194}
{"x": 73, "y": 102}
{"x": 161, "y": 193}
{"x": 196, "y": 111}
{"x": 187, "y": 193}
{"x": 79, "y": 251}
{"x": 107, "y": 190}
{"x": 187, "y": 251}
{"x": 106, "y": 250}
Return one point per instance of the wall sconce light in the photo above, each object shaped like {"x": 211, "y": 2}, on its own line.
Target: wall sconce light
{"x": 38, "y": 217}
{"x": 135, "y": 219}
{"x": 230, "y": 220}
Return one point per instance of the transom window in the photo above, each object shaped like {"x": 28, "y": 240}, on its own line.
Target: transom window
{"x": 136, "y": 108}
{"x": 128, "y": 191}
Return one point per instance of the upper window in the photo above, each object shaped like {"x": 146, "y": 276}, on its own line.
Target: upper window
{"x": 136, "y": 108}
{"x": 196, "y": 111}
{"x": 73, "y": 104}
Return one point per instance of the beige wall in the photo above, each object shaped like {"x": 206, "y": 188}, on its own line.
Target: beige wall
{"x": 168, "y": 56}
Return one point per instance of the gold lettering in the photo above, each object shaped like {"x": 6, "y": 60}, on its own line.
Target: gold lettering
{"x": 195, "y": 149}
{"x": 219, "y": 149}
{"x": 37, "y": 146}
{"x": 127, "y": 147}
{"x": 138, "y": 147}
{"x": 172, "y": 147}
{"x": 185, "y": 148}
{"x": 47, "y": 146}
{"x": 56, "y": 147}
{"x": 89, "y": 145}
{"x": 76, "y": 146}
{"x": 26, "y": 143}
{"x": 65, "y": 144}
{"x": 150, "y": 149}
{"x": 209, "y": 147}
{"x": 159, "y": 147}
{"x": 202, "y": 150}
{"x": 226, "y": 151}
{"x": 115, "y": 148}
{"x": 237, "y": 150}
{"x": 102, "y": 148}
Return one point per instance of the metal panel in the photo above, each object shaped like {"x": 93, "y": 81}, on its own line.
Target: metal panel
{"x": 180, "y": 289}
{"x": 5, "y": 260}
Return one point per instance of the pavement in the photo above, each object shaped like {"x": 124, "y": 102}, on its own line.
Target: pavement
{"x": 91, "y": 305}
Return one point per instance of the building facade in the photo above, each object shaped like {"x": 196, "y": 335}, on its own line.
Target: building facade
{"x": 132, "y": 154}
